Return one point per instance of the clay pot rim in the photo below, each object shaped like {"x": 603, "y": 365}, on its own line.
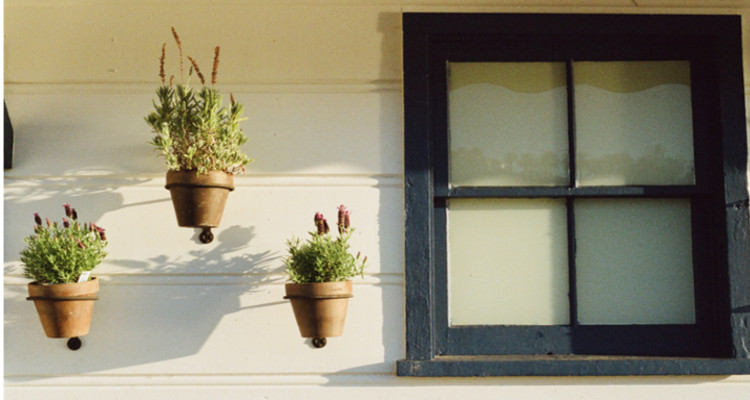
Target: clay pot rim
{"x": 62, "y": 291}
{"x": 211, "y": 179}
{"x": 44, "y": 284}
{"x": 319, "y": 290}
{"x": 347, "y": 282}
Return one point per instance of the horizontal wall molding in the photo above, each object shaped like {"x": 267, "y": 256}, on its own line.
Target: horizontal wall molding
{"x": 217, "y": 279}
{"x": 245, "y": 180}
{"x": 384, "y": 379}
{"x": 117, "y": 88}
{"x": 720, "y": 4}
{"x": 322, "y": 86}
{"x": 359, "y": 379}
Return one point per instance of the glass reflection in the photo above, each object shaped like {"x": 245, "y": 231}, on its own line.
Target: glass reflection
{"x": 507, "y": 124}
{"x": 634, "y": 123}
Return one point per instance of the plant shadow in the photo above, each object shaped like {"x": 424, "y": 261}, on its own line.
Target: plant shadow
{"x": 150, "y": 309}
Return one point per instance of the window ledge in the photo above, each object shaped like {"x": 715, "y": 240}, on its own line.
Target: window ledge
{"x": 570, "y": 365}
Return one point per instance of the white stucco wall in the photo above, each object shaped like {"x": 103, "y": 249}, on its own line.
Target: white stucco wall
{"x": 321, "y": 82}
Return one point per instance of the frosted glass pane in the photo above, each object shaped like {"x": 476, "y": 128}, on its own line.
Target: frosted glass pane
{"x": 634, "y": 123}
{"x": 634, "y": 262}
{"x": 507, "y": 262}
{"x": 508, "y": 124}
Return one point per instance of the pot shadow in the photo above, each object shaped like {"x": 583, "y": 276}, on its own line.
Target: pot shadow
{"x": 143, "y": 318}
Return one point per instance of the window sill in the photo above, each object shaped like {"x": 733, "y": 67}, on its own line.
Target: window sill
{"x": 565, "y": 365}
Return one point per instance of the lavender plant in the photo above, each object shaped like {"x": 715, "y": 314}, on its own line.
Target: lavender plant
{"x": 61, "y": 252}
{"x": 193, "y": 130}
{"x": 323, "y": 258}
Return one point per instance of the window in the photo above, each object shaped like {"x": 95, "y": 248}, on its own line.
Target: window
{"x": 576, "y": 195}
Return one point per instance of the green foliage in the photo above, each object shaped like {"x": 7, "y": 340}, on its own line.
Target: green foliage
{"x": 60, "y": 253}
{"x": 194, "y": 131}
{"x": 323, "y": 258}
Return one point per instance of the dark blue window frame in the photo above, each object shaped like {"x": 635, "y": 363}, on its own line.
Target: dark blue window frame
{"x": 719, "y": 342}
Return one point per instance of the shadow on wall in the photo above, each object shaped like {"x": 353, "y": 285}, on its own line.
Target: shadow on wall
{"x": 46, "y": 196}
{"x": 392, "y": 299}
{"x": 141, "y": 318}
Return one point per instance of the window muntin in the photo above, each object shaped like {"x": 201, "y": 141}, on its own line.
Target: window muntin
{"x": 508, "y": 259}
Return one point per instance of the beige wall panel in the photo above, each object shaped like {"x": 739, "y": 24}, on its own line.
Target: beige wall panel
{"x": 148, "y": 327}
{"x": 144, "y": 237}
{"x": 61, "y": 42}
{"x": 311, "y": 133}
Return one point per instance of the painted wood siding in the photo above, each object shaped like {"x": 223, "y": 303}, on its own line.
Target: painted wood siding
{"x": 321, "y": 81}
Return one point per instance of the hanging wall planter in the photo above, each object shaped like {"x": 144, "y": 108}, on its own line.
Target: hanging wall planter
{"x": 201, "y": 142}
{"x": 319, "y": 308}
{"x": 320, "y": 270}
{"x": 59, "y": 258}
{"x": 65, "y": 308}
{"x": 199, "y": 199}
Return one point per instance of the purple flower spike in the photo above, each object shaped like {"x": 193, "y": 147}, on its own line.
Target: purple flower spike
{"x": 73, "y": 213}
{"x": 66, "y": 223}
{"x": 343, "y": 222}
{"x": 68, "y": 213}
{"x": 48, "y": 222}
{"x": 37, "y": 219}
{"x": 102, "y": 235}
{"x": 320, "y": 223}
{"x": 80, "y": 244}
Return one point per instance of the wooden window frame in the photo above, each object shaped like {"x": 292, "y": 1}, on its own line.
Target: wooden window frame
{"x": 713, "y": 45}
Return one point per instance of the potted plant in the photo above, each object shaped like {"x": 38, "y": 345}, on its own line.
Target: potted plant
{"x": 58, "y": 257}
{"x": 321, "y": 270}
{"x": 200, "y": 140}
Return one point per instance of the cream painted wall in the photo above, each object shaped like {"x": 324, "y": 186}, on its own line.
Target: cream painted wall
{"x": 321, "y": 81}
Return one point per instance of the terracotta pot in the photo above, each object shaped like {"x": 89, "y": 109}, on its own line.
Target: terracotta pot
{"x": 199, "y": 199}
{"x": 65, "y": 308}
{"x": 319, "y": 308}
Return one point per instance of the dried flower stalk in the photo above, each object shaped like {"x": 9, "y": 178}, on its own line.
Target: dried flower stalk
{"x": 216, "y": 65}
{"x": 161, "y": 62}
{"x": 197, "y": 70}
{"x": 179, "y": 47}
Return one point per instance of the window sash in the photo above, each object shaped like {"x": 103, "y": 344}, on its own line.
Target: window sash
{"x": 697, "y": 340}
{"x": 712, "y": 45}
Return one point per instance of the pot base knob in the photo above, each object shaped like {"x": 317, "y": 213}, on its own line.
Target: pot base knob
{"x": 74, "y": 343}
{"x": 206, "y": 236}
{"x": 319, "y": 342}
